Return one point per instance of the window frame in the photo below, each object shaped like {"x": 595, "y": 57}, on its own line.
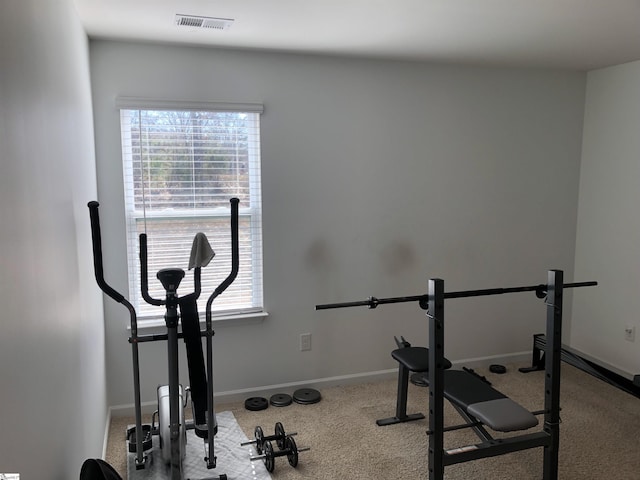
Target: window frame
{"x": 257, "y": 311}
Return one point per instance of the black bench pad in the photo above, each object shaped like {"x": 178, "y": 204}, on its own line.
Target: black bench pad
{"x": 464, "y": 389}
{"x": 482, "y": 401}
{"x": 415, "y": 359}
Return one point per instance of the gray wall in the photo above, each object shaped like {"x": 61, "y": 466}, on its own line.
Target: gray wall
{"x": 52, "y": 372}
{"x": 608, "y": 220}
{"x": 376, "y": 176}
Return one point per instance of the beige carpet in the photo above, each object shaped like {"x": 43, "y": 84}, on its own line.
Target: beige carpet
{"x": 600, "y": 433}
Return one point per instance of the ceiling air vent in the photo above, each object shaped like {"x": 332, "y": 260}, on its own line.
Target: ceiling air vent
{"x": 203, "y": 22}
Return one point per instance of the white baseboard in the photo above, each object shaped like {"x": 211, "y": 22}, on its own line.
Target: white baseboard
{"x": 598, "y": 361}
{"x": 268, "y": 390}
{"x": 320, "y": 383}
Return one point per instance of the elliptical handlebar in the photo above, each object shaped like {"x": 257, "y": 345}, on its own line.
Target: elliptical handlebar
{"x": 96, "y": 238}
{"x": 235, "y": 258}
{"x": 144, "y": 274}
{"x": 144, "y": 277}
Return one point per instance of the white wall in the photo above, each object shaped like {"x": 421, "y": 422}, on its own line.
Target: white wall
{"x": 608, "y": 236}
{"x": 377, "y": 175}
{"x": 52, "y": 382}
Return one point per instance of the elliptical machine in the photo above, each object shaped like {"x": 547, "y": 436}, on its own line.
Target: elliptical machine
{"x": 171, "y": 425}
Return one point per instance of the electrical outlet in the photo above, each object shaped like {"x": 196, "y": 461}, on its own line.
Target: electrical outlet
{"x": 305, "y": 342}
{"x": 630, "y": 333}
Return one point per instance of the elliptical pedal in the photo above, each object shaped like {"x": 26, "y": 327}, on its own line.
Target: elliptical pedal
{"x": 147, "y": 438}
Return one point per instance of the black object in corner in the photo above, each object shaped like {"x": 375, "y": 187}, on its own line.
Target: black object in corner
{"x": 96, "y": 469}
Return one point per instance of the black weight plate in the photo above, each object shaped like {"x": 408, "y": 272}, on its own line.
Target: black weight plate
{"x": 280, "y": 435}
{"x": 256, "y": 403}
{"x": 306, "y": 396}
{"x": 292, "y": 456}
{"x": 499, "y": 369}
{"x": 259, "y": 436}
{"x": 280, "y": 400}
{"x": 420, "y": 379}
{"x": 269, "y": 457}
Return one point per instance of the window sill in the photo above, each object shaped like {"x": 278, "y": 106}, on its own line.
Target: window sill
{"x": 155, "y": 326}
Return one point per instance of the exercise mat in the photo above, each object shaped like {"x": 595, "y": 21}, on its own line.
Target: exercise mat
{"x": 232, "y": 459}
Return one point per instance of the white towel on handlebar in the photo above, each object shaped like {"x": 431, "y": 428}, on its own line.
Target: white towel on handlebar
{"x": 201, "y": 251}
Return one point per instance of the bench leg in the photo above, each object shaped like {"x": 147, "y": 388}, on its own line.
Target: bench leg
{"x": 401, "y": 402}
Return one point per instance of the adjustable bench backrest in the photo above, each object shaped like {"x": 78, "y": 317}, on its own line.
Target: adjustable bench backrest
{"x": 485, "y": 403}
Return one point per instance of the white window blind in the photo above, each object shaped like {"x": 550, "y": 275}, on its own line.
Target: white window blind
{"x": 181, "y": 168}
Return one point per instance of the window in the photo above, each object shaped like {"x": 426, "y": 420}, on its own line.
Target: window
{"x": 181, "y": 168}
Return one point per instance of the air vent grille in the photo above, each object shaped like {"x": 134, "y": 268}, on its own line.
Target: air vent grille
{"x": 203, "y": 22}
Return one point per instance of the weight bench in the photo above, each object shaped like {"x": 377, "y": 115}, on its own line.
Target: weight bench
{"x": 475, "y": 400}
{"x": 479, "y": 404}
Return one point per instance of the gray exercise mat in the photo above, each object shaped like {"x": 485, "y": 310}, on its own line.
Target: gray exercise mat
{"x": 232, "y": 459}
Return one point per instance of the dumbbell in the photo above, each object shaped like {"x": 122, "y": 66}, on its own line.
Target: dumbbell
{"x": 290, "y": 451}
{"x": 260, "y": 439}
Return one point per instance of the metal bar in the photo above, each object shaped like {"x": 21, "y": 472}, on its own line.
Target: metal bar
{"x": 211, "y": 457}
{"x": 453, "y": 428}
{"x": 373, "y": 302}
{"x": 499, "y": 291}
{"x": 436, "y": 378}
{"x": 553, "y": 352}
{"x": 174, "y": 395}
{"x": 157, "y": 337}
{"x": 499, "y": 447}
{"x": 140, "y": 457}
{"x": 403, "y": 385}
